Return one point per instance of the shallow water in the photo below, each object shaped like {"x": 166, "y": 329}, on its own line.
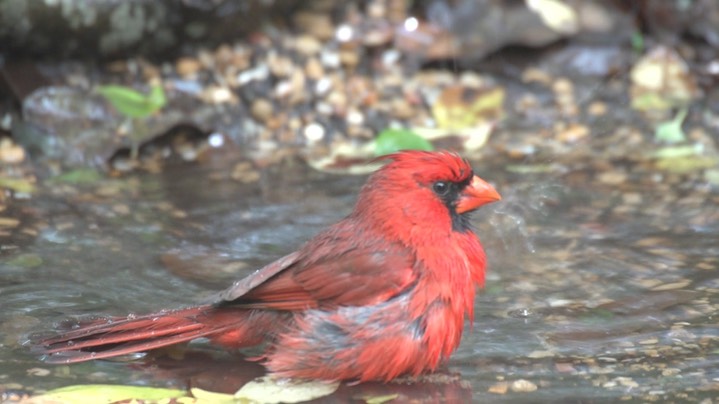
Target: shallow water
{"x": 591, "y": 295}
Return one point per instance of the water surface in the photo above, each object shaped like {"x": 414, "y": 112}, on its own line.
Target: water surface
{"x": 594, "y": 293}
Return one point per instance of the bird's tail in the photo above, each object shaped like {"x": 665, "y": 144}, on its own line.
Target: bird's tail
{"x": 108, "y": 338}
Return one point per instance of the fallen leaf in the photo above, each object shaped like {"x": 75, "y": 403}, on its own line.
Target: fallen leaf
{"x": 104, "y": 393}
{"x": 679, "y": 151}
{"x": 671, "y": 131}
{"x": 17, "y": 185}
{"x": 380, "y": 399}
{"x": 79, "y": 176}
{"x": 461, "y": 107}
{"x": 662, "y": 80}
{"x": 210, "y": 397}
{"x": 268, "y": 390}
{"x": 25, "y": 261}
{"x": 393, "y": 140}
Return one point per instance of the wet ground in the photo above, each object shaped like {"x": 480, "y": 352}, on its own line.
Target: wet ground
{"x": 597, "y": 291}
{"x": 603, "y": 279}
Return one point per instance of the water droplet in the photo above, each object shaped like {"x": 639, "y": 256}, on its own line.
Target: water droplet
{"x": 344, "y": 33}
{"x": 411, "y": 24}
{"x": 521, "y": 313}
{"x": 216, "y": 140}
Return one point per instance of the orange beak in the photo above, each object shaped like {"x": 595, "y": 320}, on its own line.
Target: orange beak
{"x": 476, "y": 194}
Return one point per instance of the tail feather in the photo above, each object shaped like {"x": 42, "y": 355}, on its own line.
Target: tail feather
{"x": 104, "y": 339}
{"x": 112, "y": 337}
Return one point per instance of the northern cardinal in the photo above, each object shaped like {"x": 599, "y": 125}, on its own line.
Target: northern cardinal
{"x": 379, "y": 294}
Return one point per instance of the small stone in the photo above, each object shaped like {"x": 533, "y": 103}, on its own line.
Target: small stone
{"x": 355, "y": 117}
{"x": 650, "y": 341}
{"x": 523, "y": 386}
{"x": 377, "y": 10}
{"x": 627, "y": 382}
{"x": 612, "y": 177}
{"x": 11, "y": 153}
{"x": 540, "y": 354}
{"x": 632, "y": 198}
{"x": 218, "y": 95}
{"x": 323, "y": 86}
{"x": 499, "y": 388}
{"x": 188, "y": 66}
{"x": 330, "y": 59}
{"x": 349, "y": 58}
{"x": 317, "y": 25}
{"x": 280, "y": 66}
{"x": 9, "y": 222}
{"x": 519, "y": 151}
{"x": 206, "y": 58}
{"x": 338, "y": 101}
{"x": 573, "y": 133}
{"x": 535, "y": 75}
{"x": 314, "y": 69}
{"x": 597, "y": 108}
{"x": 262, "y": 110}
{"x": 563, "y": 86}
{"x": 314, "y": 132}
{"x": 565, "y": 368}
{"x": 38, "y": 372}
{"x": 121, "y": 209}
{"x": 706, "y": 266}
{"x": 308, "y": 45}
{"x": 244, "y": 172}
{"x": 377, "y": 37}
{"x": 671, "y": 372}
{"x": 402, "y": 109}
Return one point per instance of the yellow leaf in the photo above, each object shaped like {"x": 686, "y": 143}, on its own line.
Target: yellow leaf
{"x": 380, "y": 399}
{"x": 17, "y": 185}
{"x": 104, "y": 393}
{"x": 661, "y": 80}
{"x": 210, "y": 397}
{"x": 460, "y": 107}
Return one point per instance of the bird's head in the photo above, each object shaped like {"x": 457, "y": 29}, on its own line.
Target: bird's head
{"x": 423, "y": 187}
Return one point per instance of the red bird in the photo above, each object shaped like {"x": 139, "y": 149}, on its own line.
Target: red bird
{"x": 380, "y": 294}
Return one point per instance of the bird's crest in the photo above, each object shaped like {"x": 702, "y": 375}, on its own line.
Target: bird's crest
{"x": 430, "y": 166}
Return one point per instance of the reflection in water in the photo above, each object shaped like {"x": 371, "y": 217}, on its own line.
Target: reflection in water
{"x": 590, "y": 293}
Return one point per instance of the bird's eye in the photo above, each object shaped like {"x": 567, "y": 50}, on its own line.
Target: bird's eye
{"x": 440, "y": 188}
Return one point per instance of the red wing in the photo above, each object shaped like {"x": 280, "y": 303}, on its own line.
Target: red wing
{"x": 244, "y": 285}
{"x": 351, "y": 278}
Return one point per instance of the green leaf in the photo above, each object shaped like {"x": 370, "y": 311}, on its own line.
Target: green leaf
{"x": 671, "y": 131}
{"x": 106, "y": 393}
{"x": 712, "y": 176}
{"x": 25, "y": 261}
{"x": 132, "y": 103}
{"x": 157, "y": 98}
{"x": 79, "y": 176}
{"x": 393, "y": 140}
{"x": 637, "y": 42}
